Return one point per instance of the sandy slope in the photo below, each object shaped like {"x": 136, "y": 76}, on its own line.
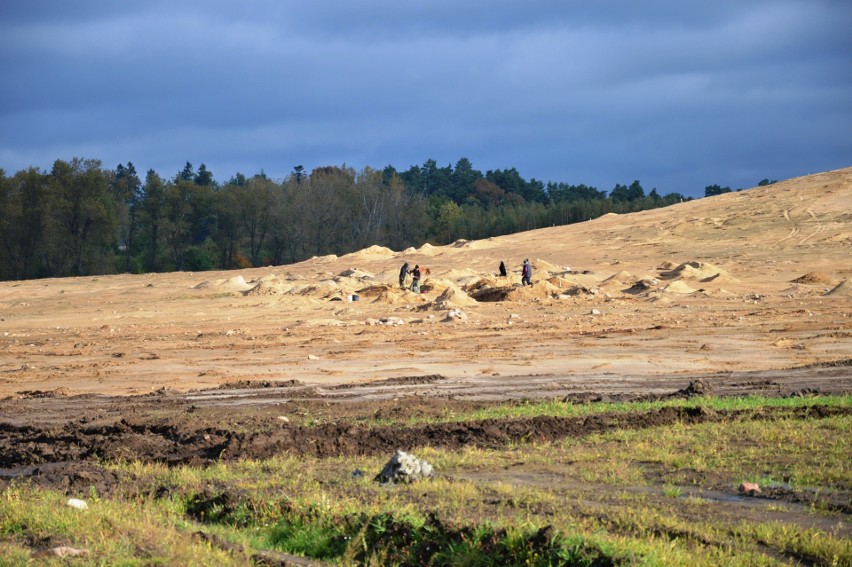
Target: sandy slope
{"x": 741, "y": 282}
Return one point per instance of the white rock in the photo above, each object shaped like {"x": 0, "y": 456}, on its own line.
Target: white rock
{"x": 65, "y": 551}
{"x": 594, "y": 312}
{"x": 77, "y": 503}
{"x": 313, "y": 357}
{"x": 404, "y": 468}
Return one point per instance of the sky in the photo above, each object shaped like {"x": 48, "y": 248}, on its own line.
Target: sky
{"x": 676, "y": 94}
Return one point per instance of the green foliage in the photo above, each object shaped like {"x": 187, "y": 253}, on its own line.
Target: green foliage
{"x": 712, "y": 190}
{"x": 80, "y": 219}
{"x": 199, "y": 259}
{"x": 621, "y": 193}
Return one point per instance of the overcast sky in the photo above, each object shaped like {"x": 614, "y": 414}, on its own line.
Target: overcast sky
{"x": 676, "y": 94}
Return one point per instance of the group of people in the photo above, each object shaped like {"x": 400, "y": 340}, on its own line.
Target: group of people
{"x": 415, "y": 277}
{"x": 526, "y": 272}
{"x": 526, "y": 275}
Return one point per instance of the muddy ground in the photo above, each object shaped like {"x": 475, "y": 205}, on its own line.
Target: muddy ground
{"x": 59, "y": 441}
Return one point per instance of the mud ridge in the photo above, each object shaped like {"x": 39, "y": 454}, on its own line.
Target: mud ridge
{"x": 181, "y": 444}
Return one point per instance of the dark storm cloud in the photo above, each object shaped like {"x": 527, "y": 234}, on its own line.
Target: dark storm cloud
{"x": 676, "y": 95}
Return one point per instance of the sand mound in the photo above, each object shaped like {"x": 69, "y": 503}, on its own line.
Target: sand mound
{"x": 620, "y": 277}
{"x": 485, "y": 283}
{"x": 561, "y": 282}
{"x": 436, "y": 285}
{"x": 721, "y": 277}
{"x": 667, "y": 265}
{"x": 374, "y": 291}
{"x": 843, "y": 289}
{"x": 539, "y": 290}
{"x": 544, "y": 266}
{"x": 642, "y": 285}
{"x": 678, "y": 287}
{"x": 236, "y": 283}
{"x": 453, "y": 297}
{"x": 814, "y": 278}
{"x": 324, "y": 288}
{"x": 387, "y": 293}
{"x": 462, "y": 243}
{"x": 373, "y": 251}
{"x": 427, "y": 249}
{"x": 696, "y": 271}
{"x": 580, "y": 290}
{"x": 618, "y": 280}
{"x": 270, "y": 285}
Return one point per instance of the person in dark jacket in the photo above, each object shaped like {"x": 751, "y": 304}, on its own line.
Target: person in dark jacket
{"x": 526, "y": 273}
{"x": 502, "y": 269}
{"x": 403, "y": 273}
{"x": 415, "y": 282}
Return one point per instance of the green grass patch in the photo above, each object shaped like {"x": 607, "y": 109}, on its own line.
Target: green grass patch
{"x": 556, "y": 408}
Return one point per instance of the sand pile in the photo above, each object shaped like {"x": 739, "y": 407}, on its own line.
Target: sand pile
{"x": 435, "y": 285}
{"x": 814, "y": 278}
{"x": 540, "y": 265}
{"x": 561, "y": 283}
{"x": 236, "y": 283}
{"x": 387, "y": 293}
{"x": 642, "y": 286}
{"x": 372, "y": 252}
{"x": 324, "y": 288}
{"x": 843, "y": 289}
{"x": 620, "y": 277}
{"x": 270, "y": 285}
{"x": 580, "y": 290}
{"x": 618, "y": 280}
{"x": 486, "y": 283}
{"x": 452, "y": 297}
{"x": 539, "y": 290}
{"x": 697, "y": 271}
{"x": 462, "y": 243}
{"x": 427, "y": 249}
{"x": 375, "y": 290}
{"x": 679, "y": 287}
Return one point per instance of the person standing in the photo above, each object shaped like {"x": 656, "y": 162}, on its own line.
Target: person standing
{"x": 403, "y": 273}
{"x": 526, "y": 273}
{"x": 415, "y": 282}
{"x": 502, "y": 269}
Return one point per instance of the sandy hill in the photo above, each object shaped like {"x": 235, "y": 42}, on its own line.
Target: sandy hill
{"x": 748, "y": 280}
{"x": 806, "y": 220}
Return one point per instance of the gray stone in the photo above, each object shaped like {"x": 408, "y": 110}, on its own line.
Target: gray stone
{"x": 404, "y": 468}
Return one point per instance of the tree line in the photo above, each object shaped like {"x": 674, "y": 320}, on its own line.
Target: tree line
{"x": 83, "y": 219}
